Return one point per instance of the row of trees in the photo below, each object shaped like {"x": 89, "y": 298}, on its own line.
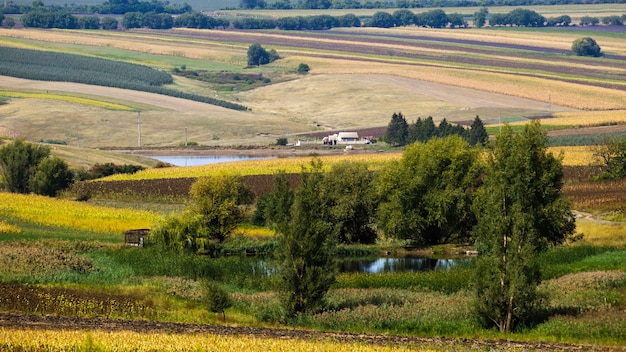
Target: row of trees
{"x": 440, "y": 191}
{"x": 400, "y": 133}
{"x": 379, "y": 4}
{"x": 30, "y": 168}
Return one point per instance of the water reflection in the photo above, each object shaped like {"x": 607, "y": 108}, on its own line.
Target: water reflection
{"x": 391, "y": 265}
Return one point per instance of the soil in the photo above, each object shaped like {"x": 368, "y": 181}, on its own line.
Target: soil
{"x": 48, "y": 322}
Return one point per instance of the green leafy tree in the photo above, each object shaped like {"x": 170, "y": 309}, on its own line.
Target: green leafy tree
{"x": 278, "y": 204}
{"x": 18, "y": 163}
{"x": 215, "y": 210}
{"x": 480, "y": 17}
{"x": 52, "y": 176}
{"x": 352, "y": 205}
{"x": 397, "y": 130}
{"x": 478, "y": 133}
{"x": 586, "y": 46}
{"x": 382, "y": 19}
{"x": 303, "y": 68}
{"x": 520, "y": 212}
{"x": 257, "y": 55}
{"x": 612, "y": 156}
{"x": 217, "y": 300}
{"x": 110, "y": 23}
{"x": 307, "y": 246}
{"x": 426, "y": 196}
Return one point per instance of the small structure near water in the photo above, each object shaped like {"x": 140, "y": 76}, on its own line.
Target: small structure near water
{"x": 136, "y": 237}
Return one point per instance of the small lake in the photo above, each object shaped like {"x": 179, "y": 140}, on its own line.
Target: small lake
{"x": 259, "y": 265}
{"x": 199, "y": 160}
{"x": 394, "y": 265}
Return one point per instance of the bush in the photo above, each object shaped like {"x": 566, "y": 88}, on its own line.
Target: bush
{"x": 586, "y": 47}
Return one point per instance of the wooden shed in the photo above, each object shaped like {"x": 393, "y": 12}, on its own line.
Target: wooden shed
{"x": 136, "y": 237}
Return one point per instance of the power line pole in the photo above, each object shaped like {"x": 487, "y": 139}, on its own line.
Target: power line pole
{"x": 139, "y": 129}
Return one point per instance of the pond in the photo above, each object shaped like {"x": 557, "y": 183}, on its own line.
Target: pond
{"x": 259, "y": 265}
{"x": 198, "y": 160}
{"x": 396, "y": 264}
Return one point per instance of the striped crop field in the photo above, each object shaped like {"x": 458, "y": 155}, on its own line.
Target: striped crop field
{"x": 51, "y": 340}
{"x": 69, "y": 214}
{"x": 68, "y": 98}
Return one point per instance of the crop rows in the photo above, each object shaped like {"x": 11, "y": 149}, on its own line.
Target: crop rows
{"x": 68, "y": 98}
{"x": 69, "y": 214}
{"x": 71, "y": 302}
{"x": 79, "y": 340}
{"x": 53, "y": 66}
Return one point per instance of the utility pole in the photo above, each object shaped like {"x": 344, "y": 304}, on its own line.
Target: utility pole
{"x": 185, "y": 136}
{"x": 139, "y": 129}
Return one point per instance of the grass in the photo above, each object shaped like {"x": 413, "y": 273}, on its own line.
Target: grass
{"x": 98, "y": 103}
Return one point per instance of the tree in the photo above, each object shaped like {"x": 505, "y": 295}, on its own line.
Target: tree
{"x": 586, "y": 46}
{"x": 352, "y": 205}
{"x": 216, "y": 298}
{"x": 397, "y": 130}
{"x": 18, "y": 162}
{"x": 457, "y": 20}
{"x": 526, "y": 18}
{"x": 52, "y": 176}
{"x": 382, "y": 19}
{"x": 520, "y": 212}
{"x": 426, "y": 197}
{"x": 214, "y": 212}
{"x": 612, "y": 155}
{"x": 480, "y": 17}
{"x": 477, "y": 133}
{"x": 589, "y": 21}
{"x": 404, "y": 17}
{"x": 258, "y": 56}
{"x": 303, "y": 68}
{"x": 277, "y": 209}
{"x": 109, "y": 23}
{"x": 307, "y": 247}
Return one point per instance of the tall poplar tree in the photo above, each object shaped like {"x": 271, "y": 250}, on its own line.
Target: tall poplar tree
{"x": 307, "y": 246}
{"x": 520, "y": 212}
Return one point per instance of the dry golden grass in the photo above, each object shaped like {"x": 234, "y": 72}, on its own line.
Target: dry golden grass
{"x": 53, "y": 340}
{"x": 575, "y": 156}
{"x": 587, "y": 118}
{"x": 602, "y": 233}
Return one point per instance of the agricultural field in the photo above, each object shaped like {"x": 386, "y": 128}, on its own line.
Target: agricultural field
{"x": 496, "y": 73}
{"x": 67, "y": 281}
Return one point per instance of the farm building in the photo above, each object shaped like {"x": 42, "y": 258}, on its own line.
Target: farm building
{"x": 136, "y": 237}
{"x": 344, "y": 138}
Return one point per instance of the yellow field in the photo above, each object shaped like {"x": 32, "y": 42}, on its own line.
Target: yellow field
{"x": 601, "y": 234}
{"x": 256, "y": 167}
{"x": 38, "y": 340}
{"x": 587, "y": 118}
{"x": 70, "y": 214}
{"x": 575, "y": 156}
{"x": 69, "y": 99}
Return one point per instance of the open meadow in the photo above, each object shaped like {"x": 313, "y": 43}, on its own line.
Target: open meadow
{"x": 359, "y": 77}
{"x": 69, "y": 282}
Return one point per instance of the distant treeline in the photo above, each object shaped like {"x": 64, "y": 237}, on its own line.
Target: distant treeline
{"x": 436, "y": 18}
{"x": 120, "y": 7}
{"x": 52, "y": 66}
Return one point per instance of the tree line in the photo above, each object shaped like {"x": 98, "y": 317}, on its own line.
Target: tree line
{"x": 400, "y": 133}
{"x": 51, "y": 17}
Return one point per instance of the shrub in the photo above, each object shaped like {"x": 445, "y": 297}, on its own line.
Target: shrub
{"x": 586, "y": 46}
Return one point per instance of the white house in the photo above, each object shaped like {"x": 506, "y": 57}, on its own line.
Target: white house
{"x": 342, "y": 138}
